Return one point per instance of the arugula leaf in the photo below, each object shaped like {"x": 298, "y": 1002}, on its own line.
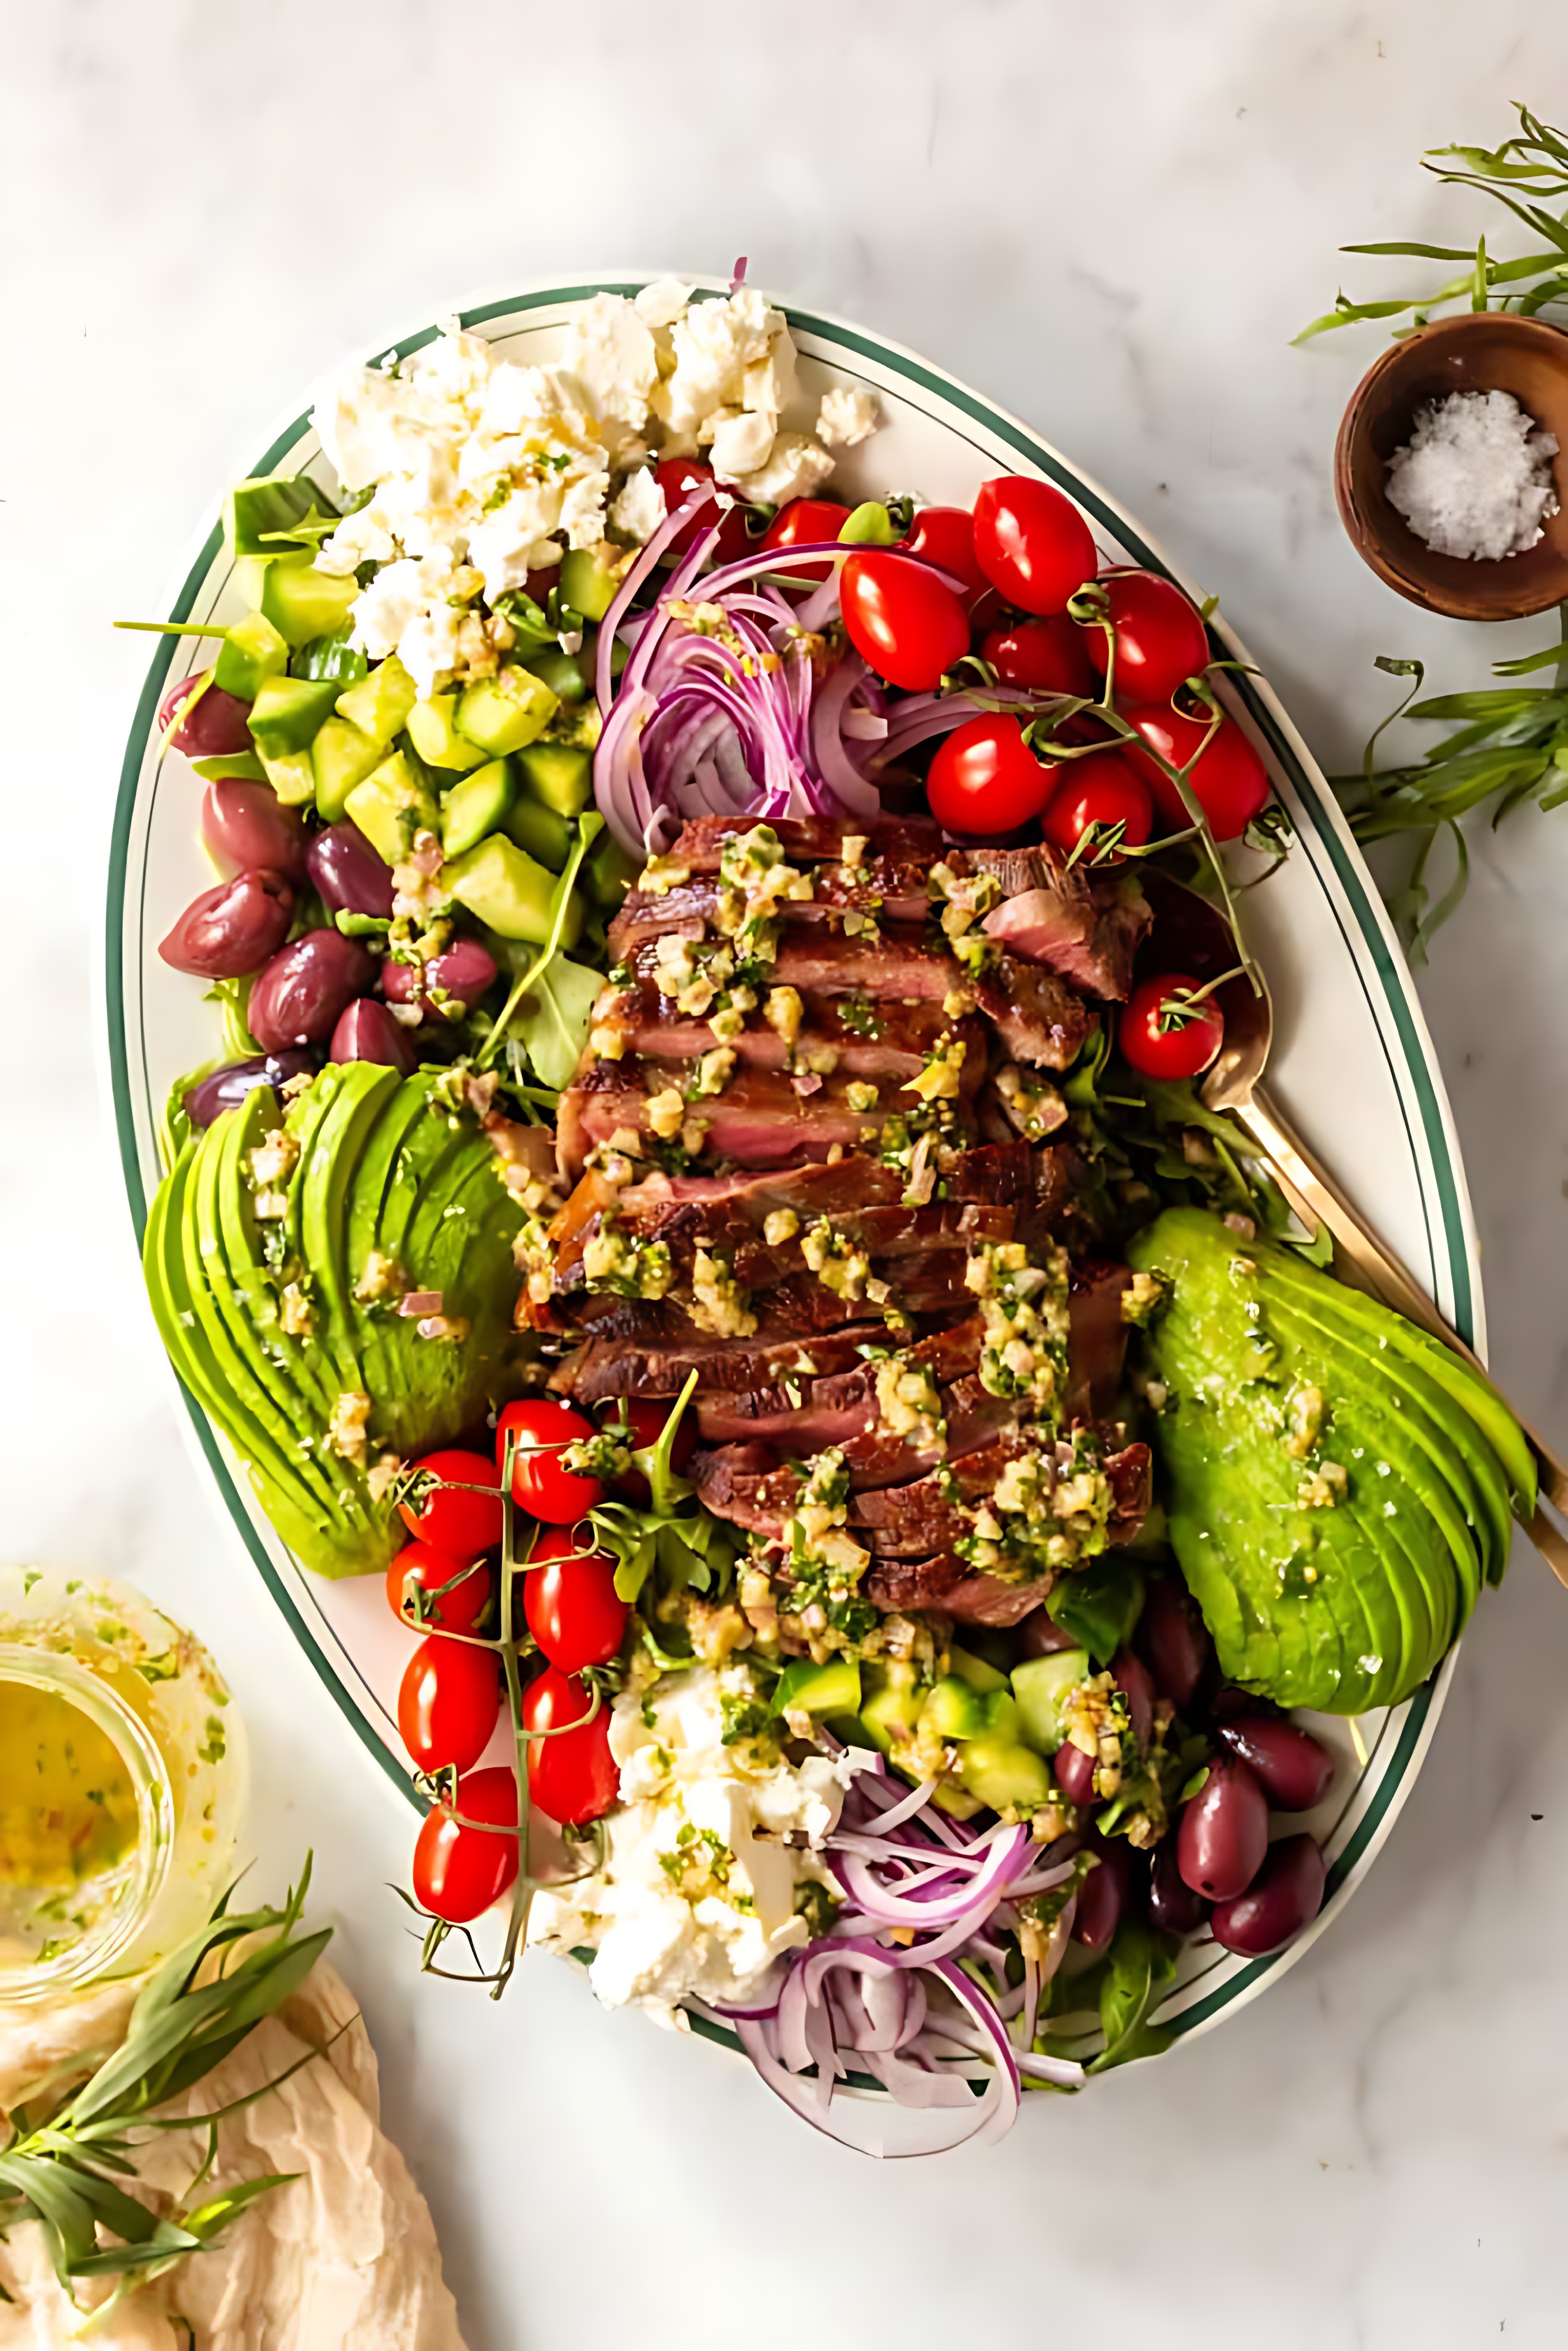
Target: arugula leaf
{"x": 1141, "y": 1966}
{"x": 552, "y": 1018}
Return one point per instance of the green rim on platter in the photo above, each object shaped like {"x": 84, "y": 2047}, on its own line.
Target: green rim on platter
{"x": 1337, "y": 866}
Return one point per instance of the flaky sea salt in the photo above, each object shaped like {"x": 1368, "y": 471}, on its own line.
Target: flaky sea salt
{"x": 1475, "y": 477}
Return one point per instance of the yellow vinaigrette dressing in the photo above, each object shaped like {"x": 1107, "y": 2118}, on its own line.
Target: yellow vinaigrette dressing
{"x": 70, "y": 1822}
{"x": 122, "y": 1783}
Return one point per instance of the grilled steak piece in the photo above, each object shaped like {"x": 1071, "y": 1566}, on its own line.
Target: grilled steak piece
{"x": 951, "y": 1584}
{"x": 1097, "y": 1338}
{"x": 761, "y": 1118}
{"x": 660, "y": 1366}
{"x": 839, "y": 1403}
{"x": 1039, "y": 1017}
{"x": 914, "y": 842}
{"x": 1086, "y": 926}
{"x": 861, "y": 1040}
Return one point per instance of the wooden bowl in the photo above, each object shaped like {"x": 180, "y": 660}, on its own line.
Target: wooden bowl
{"x": 1479, "y": 352}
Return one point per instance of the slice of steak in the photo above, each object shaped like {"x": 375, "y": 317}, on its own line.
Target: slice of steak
{"x": 900, "y": 963}
{"x": 761, "y": 1118}
{"x": 951, "y": 1584}
{"x": 811, "y": 840}
{"x": 910, "y": 1521}
{"x": 861, "y": 1038}
{"x": 831, "y": 1409}
{"x": 604, "y": 1367}
{"x": 1037, "y": 1015}
{"x": 874, "y": 1455}
{"x": 1097, "y": 1337}
{"x": 747, "y": 1484}
{"x": 1088, "y": 933}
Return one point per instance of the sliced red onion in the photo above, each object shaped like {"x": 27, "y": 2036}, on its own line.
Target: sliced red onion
{"x": 668, "y": 529}
{"x": 838, "y": 771}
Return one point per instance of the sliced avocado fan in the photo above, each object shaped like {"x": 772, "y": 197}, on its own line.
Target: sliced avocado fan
{"x": 278, "y": 1253}
{"x": 1339, "y": 1486}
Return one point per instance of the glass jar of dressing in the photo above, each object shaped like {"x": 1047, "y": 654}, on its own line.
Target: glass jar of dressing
{"x": 121, "y": 1785}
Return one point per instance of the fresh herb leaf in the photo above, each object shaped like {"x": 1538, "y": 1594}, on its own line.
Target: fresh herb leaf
{"x": 1141, "y": 1965}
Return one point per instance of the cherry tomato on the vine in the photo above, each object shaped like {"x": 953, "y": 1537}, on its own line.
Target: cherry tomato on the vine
{"x": 806, "y": 522}
{"x": 540, "y": 1484}
{"x": 985, "y": 779}
{"x": 457, "y": 1610}
{"x": 907, "y": 623}
{"x": 459, "y": 1871}
{"x": 1230, "y": 780}
{"x": 1105, "y": 790}
{"x": 1045, "y": 656}
{"x": 447, "y": 1703}
{"x": 1160, "y": 637}
{"x": 571, "y": 1778}
{"x": 450, "y": 1519}
{"x": 1164, "y": 1034}
{"x": 1032, "y": 543}
{"x": 645, "y": 1418}
{"x": 570, "y": 1602}
{"x": 945, "y": 536}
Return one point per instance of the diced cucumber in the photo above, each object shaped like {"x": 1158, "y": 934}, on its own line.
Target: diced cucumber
{"x": 330, "y": 657}
{"x": 391, "y": 806}
{"x": 1040, "y": 1685}
{"x": 589, "y": 582}
{"x": 243, "y": 766}
{"x": 562, "y": 672}
{"x": 475, "y": 807}
{"x": 379, "y": 704}
{"x": 609, "y": 871}
{"x": 974, "y": 1670}
{"x": 831, "y": 1688}
{"x": 504, "y": 712}
{"x": 1001, "y": 1772}
{"x": 341, "y": 757}
{"x": 1098, "y": 1605}
{"x": 252, "y": 650}
{"x": 557, "y": 774}
{"x": 288, "y": 712}
{"x": 437, "y": 740}
{"x": 890, "y": 1711}
{"x": 505, "y": 887}
{"x": 256, "y": 510}
{"x": 302, "y": 602}
{"x": 540, "y": 831}
{"x": 291, "y": 776}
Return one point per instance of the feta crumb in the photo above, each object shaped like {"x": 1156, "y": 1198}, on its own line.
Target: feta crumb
{"x": 848, "y": 414}
{"x": 639, "y": 508}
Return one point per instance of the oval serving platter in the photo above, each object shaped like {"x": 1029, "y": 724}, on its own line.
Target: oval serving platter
{"x": 1353, "y": 1061}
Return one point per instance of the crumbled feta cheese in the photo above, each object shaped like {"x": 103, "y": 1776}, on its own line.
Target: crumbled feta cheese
{"x": 610, "y": 351}
{"x": 739, "y": 444}
{"x": 848, "y": 414}
{"x": 797, "y": 468}
{"x": 662, "y": 303}
{"x": 639, "y": 508}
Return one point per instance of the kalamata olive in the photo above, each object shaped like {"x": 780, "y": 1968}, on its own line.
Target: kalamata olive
{"x": 1171, "y": 1903}
{"x": 1075, "y": 1774}
{"x": 300, "y": 995}
{"x": 1286, "y": 1896}
{"x": 1294, "y": 1769}
{"x": 1102, "y": 1898}
{"x": 463, "y": 970}
{"x": 1175, "y": 1639}
{"x": 350, "y": 875}
{"x": 1132, "y": 1678}
{"x": 366, "y": 1031}
{"x": 247, "y": 824}
{"x": 1040, "y": 1634}
{"x": 226, "y": 1089}
{"x": 230, "y": 930}
{"x": 1223, "y": 1832}
{"x": 217, "y": 725}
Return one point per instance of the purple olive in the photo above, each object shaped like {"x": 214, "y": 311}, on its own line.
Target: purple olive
{"x": 1223, "y": 1832}
{"x": 247, "y": 824}
{"x": 463, "y": 970}
{"x": 366, "y": 1031}
{"x": 1102, "y": 1898}
{"x": 1074, "y": 1774}
{"x": 226, "y": 1089}
{"x": 230, "y": 930}
{"x": 1171, "y": 1903}
{"x": 1286, "y": 1896}
{"x": 298, "y": 996}
{"x": 217, "y": 726}
{"x": 1132, "y": 1679}
{"x": 1175, "y": 1639}
{"x": 351, "y": 878}
{"x": 1040, "y": 1635}
{"x": 1294, "y": 1769}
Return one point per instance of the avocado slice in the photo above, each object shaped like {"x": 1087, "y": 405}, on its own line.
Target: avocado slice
{"x": 462, "y": 1246}
{"x": 325, "y": 1174}
{"x": 295, "y": 1356}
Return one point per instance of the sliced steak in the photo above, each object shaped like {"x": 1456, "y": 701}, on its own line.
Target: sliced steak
{"x": 831, "y": 1409}
{"x": 761, "y": 1118}
{"x": 604, "y": 1367}
{"x": 901, "y": 964}
{"x": 1087, "y": 934}
{"x": 950, "y": 1584}
{"x": 861, "y": 1039}
{"x": 699, "y": 844}
{"x": 1037, "y": 1015}
{"x": 1097, "y": 1338}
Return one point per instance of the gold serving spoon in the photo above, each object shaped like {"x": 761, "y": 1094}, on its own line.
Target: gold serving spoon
{"x": 1201, "y": 940}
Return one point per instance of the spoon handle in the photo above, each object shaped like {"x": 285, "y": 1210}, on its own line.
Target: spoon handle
{"x": 1318, "y": 1202}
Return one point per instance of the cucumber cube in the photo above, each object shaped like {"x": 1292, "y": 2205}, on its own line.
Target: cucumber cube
{"x": 390, "y": 807}
{"x": 302, "y": 602}
{"x": 437, "y": 740}
{"x": 503, "y": 713}
{"x": 379, "y": 704}
{"x": 975, "y": 1670}
{"x": 341, "y": 757}
{"x": 562, "y": 672}
{"x": 589, "y": 583}
{"x": 502, "y": 885}
{"x": 831, "y": 1688}
{"x": 541, "y": 831}
{"x": 254, "y": 511}
{"x": 1040, "y": 1685}
{"x": 289, "y": 712}
{"x": 557, "y": 774}
{"x": 1000, "y": 1772}
{"x": 475, "y": 807}
{"x": 609, "y": 871}
{"x": 252, "y": 650}
{"x": 291, "y": 776}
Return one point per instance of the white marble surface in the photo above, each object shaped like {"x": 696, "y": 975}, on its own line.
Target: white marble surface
{"x": 1112, "y": 221}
